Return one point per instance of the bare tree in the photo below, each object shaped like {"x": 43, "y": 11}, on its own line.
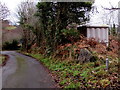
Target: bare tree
{"x": 4, "y": 11}
{"x": 111, "y": 16}
{"x": 29, "y": 23}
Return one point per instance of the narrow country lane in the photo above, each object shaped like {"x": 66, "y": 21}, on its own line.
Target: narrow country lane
{"x": 22, "y": 71}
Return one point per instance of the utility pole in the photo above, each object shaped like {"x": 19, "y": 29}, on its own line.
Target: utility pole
{"x": 119, "y": 18}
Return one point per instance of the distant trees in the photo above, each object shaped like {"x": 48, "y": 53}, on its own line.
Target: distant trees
{"x": 4, "y": 11}
{"x": 26, "y": 11}
{"x": 110, "y": 16}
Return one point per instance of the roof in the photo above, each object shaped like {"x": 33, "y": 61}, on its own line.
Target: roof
{"x": 97, "y": 27}
{"x": 94, "y": 26}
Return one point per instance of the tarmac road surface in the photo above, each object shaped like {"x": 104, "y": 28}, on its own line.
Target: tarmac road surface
{"x": 23, "y": 71}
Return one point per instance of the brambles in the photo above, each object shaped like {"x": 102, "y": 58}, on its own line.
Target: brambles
{"x": 94, "y": 47}
{"x": 74, "y": 51}
{"x": 92, "y": 42}
{"x": 71, "y": 74}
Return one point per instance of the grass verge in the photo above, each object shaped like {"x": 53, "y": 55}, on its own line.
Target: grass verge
{"x": 3, "y": 59}
{"x": 70, "y": 74}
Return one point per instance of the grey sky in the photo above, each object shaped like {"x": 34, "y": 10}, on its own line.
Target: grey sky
{"x": 100, "y": 18}
{"x": 12, "y": 5}
{"x": 105, "y": 16}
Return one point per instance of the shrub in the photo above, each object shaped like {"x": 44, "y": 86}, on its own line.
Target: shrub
{"x": 92, "y": 42}
{"x": 70, "y": 35}
{"x": 10, "y": 45}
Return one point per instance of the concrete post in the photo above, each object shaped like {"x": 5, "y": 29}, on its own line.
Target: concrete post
{"x": 107, "y": 64}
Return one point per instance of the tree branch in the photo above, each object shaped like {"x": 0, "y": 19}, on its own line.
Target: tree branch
{"x": 112, "y": 8}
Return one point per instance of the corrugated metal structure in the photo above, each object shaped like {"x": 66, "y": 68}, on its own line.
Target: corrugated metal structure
{"x": 100, "y": 33}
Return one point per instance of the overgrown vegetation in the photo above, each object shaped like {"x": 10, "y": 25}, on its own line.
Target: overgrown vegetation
{"x": 71, "y": 51}
{"x": 47, "y": 24}
{"x": 70, "y": 74}
{"x": 50, "y": 34}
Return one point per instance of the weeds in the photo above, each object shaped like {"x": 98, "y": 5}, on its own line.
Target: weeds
{"x": 75, "y": 75}
{"x": 93, "y": 74}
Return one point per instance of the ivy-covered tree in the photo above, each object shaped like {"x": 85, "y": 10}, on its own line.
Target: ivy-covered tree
{"x": 56, "y": 16}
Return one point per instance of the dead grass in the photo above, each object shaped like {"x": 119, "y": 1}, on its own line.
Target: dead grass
{"x": 91, "y": 44}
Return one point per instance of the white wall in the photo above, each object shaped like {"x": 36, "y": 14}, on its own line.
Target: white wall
{"x": 100, "y": 34}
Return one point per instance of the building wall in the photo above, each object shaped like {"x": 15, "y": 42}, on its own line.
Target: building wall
{"x": 10, "y": 35}
{"x": 100, "y": 34}
{"x": 5, "y": 23}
